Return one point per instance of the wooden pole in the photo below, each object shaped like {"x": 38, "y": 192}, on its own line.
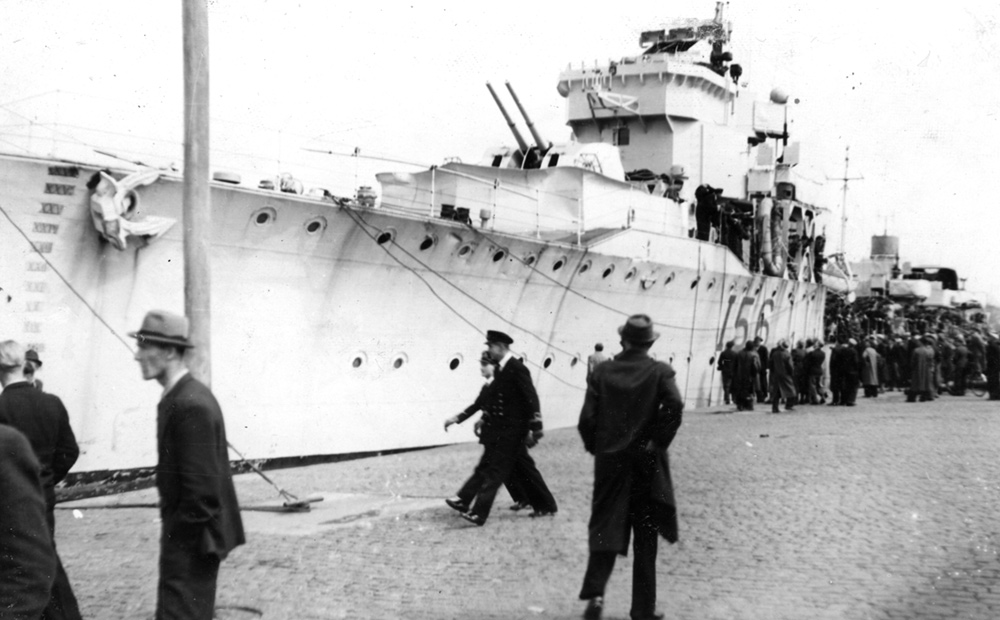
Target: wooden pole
{"x": 197, "y": 214}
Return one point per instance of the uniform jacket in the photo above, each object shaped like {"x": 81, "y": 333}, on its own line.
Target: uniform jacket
{"x": 515, "y": 407}
{"x": 782, "y": 373}
{"x": 42, "y": 418}
{"x": 631, "y": 400}
{"x": 198, "y": 504}
{"x": 27, "y": 557}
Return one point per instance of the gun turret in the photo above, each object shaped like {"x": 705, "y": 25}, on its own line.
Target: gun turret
{"x": 521, "y": 144}
{"x": 543, "y": 144}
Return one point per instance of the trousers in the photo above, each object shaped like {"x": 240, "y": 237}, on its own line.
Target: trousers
{"x": 186, "y": 590}
{"x": 507, "y": 459}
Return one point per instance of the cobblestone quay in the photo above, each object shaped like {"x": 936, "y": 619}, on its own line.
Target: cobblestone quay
{"x": 884, "y": 510}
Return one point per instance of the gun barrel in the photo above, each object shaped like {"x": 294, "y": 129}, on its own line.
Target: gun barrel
{"x": 521, "y": 144}
{"x": 542, "y": 143}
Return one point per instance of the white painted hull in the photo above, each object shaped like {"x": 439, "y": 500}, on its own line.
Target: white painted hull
{"x": 292, "y": 311}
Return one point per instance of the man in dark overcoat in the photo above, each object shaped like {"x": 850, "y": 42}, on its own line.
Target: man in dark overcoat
{"x": 763, "y": 355}
{"x": 630, "y": 415}
{"x": 199, "y": 514}
{"x": 814, "y": 369}
{"x": 850, "y": 369}
{"x": 960, "y": 366}
{"x": 27, "y": 557}
{"x": 746, "y": 377}
{"x": 727, "y": 366}
{"x": 799, "y": 366}
{"x": 43, "y": 420}
{"x": 782, "y": 377}
{"x": 921, "y": 372}
{"x": 515, "y": 427}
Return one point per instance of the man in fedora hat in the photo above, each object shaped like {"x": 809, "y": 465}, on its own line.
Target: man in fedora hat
{"x": 199, "y": 514}
{"x": 630, "y": 415}
{"x": 515, "y": 427}
{"x": 43, "y": 420}
{"x": 31, "y": 365}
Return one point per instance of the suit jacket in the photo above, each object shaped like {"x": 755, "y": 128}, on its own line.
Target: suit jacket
{"x": 515, "y": 406}
{"x": 630, "y": 400}
{"x": 43, "y": 419}
{"x": 198, "y": 504}
{"x": 27, "y": 557}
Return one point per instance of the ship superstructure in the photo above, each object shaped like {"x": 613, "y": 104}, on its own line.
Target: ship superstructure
{"x": 347, "y": 325}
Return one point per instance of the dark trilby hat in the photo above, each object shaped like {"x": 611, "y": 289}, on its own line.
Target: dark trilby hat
{"x": 638, "y": 328}
{"x": 160, "y": 327}
{"x": 495, "y": 336}
{"x": 31, "y": 355}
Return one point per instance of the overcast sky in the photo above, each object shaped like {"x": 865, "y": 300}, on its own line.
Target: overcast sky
{"x": 915, "y": 93}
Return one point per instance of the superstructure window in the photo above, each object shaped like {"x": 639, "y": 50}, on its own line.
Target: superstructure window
{"x": 621, "y": 136}
{"x": 554, "y": 160}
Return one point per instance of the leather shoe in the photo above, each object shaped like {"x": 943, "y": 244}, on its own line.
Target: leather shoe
{"x": 476, "y": 519}
{"x": 520, "y": 506}
{"x": 542, "y": 513}
{"x": 457, "y": 504}
{"x": 595, "y": 607}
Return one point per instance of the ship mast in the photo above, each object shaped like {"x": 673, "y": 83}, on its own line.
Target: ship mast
{"x": 843, "y": 211}
{"x": 196, "y": 208}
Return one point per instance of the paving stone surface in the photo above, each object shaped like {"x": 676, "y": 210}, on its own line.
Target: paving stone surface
{"x": 881, "y": 511}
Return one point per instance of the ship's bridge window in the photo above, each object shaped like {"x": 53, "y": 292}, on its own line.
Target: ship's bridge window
{"x": 554, "y": 160}
{"x": 496, "y": 161}
{"x": 620, "y": 136}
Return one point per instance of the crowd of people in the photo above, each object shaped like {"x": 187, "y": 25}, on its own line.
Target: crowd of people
{"x": 923, "y": 366}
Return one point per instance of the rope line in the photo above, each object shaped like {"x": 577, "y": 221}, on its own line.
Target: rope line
{"x": 66, "y": 282}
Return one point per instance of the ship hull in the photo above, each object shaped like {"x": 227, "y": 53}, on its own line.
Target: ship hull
{"x": 340, "y": 329}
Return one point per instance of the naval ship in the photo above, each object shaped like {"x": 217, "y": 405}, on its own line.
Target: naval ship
{"x": 347, "y": 325}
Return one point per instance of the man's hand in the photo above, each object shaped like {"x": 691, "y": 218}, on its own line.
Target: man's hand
{"x": 449, "y": 422}
{"x": 477, "y": 428}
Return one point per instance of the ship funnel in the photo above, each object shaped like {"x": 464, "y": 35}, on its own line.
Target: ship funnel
{"x": 543, "y": 144}
{"x": 521, "y": 144}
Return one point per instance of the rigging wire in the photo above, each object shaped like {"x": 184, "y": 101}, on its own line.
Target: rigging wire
{"x": 66, "y": 282}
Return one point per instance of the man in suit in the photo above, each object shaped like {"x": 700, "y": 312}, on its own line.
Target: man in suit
{"x": 27, "y": 557}
{"x": 630, "y": 415}
{"x": 727, "y": 365}
{"x": 746, "y": 377}
{"x": 814, "y": 369}
{"x": 764, "y": 355}
{"x": 515, "y": 427}
{"x": 199, "y": 514}
{"x": 43, "y": 420}
{"x": 782, "y": 377}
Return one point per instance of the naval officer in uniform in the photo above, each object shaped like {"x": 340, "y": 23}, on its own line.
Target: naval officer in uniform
{"x": 515, "y": 426}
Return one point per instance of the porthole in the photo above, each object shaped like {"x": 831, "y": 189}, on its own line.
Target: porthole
{"x": 455, "y": 362}
{"x": 385, "y": 236}
{"x": 732, "y": 287}
{"x": 648, "y": 282}
{"x": 529, "y": 259}
{"x": 610, "y": 269}
{"x": 576, "y": 360}
{"x": 696, "y": 281}
{"x": 669, "y": 279}
{"x": 359, "y": 359}
{"x": 548, "y": 361}
{"x": 711, "y": 362}
{"x": 429, "y": 242}
{"x": 630, "y": 274}
{"x": 757, "y": 292}
{"x": 264, "y": 216}
{"x": 556, "y": 266}
{"x": 315, "y": 225}
{"x": 774, "y": 292}
{"x": 710, "y": 284}
{"x": 498, "y": 256}
{"x": 399, "y": 360}
{"x": 584, "y": 267}
{"x": 465, "y": 250}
